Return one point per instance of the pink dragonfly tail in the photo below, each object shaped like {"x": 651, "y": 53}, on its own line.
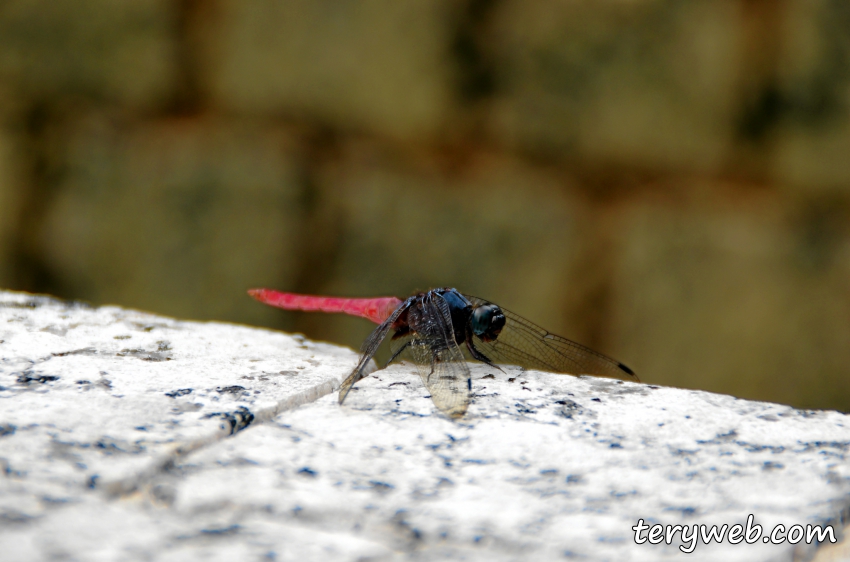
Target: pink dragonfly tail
{"x": 376, "y": 309}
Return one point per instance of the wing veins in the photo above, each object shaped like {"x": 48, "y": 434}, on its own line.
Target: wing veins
{"x": 556, "y": 352}
{"x": 441, "y": 363}
{"x": 368, "y": 349}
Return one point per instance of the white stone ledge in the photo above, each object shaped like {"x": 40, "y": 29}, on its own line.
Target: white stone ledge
{"x": 132, "y": 465}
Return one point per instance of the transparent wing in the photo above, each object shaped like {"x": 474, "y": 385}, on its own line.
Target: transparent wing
{"x": 438, "y": 358}
{"x": 368, "y": 349}
{"x": 400, "y": 348}
{"x": 524, "y": 343}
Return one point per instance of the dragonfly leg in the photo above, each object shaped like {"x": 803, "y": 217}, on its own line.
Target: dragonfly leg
{"x": 434, "y": 360}
{"x": 477, "y": 355}
{"x": 396, "y": 354}
{"x": 348, "y": 383}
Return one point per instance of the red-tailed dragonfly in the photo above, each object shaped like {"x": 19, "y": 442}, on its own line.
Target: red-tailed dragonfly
{"x": 431, "y": 327}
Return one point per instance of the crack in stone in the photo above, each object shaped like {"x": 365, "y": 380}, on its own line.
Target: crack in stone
{"x": 237, "y": 421}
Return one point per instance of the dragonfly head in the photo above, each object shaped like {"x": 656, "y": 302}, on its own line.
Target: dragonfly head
{"x": 487, "y": 321}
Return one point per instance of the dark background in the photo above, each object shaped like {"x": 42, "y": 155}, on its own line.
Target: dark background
{"x": 665, "y": 181}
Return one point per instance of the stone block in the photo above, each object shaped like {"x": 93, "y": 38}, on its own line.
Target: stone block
{"x": 750, "y": 300}
{"x": 176, "y": 215}
{"x": 11, "y": 192}
{"x": 373, "y": 65}
{"x": 813, "y": 99}
{"x": 539, "y": 467}
{"x": 97, "y": 400}
{"x": 649, "y": 84}
{"x": 129, "y": 436}
{"x": 117, "y": 51}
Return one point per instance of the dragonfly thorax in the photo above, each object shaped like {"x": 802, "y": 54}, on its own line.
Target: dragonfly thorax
{"x": 487, "y": 321}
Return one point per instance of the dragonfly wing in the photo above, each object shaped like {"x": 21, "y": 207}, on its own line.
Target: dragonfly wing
{"x": 440, "y": 361}
{"x": 400, "y": 348}
{"x": 368, "y": 349}
{"x": 524, "y": 343}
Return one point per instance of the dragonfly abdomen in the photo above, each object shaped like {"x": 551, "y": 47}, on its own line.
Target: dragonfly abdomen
{"x": 375, "y": 309}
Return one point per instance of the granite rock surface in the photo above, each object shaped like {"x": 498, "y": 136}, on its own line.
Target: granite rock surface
{"x": 125, "y": 435}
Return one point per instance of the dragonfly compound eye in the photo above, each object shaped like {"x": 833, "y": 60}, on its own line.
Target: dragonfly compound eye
{"x": 487, "y": 321}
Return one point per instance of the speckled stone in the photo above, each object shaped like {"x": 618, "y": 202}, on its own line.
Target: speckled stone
{"x": 136, "y": 437}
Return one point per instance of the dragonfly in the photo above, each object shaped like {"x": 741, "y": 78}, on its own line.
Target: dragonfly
{"x": 434, "y": 327}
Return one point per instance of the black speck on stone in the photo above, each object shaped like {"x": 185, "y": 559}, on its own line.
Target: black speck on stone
{"x": 179, "y": 392}
{"x": 155, "y": 356}
{"x": 521, "y": 409}
{"x": 7, "y": 429}
{"x": 570, "y": 408}
{"x": 54, "y": 501}
{"x": 92, "y": 482}
{"x": 106, "y": 445}
{"x": 224, "y": 531}
{"x": 596, "y": 399}
{"x": 83, "y": 351}
{"x": 685, "y": 511}
{"x": 235, "y": 389}
{"x": 110, "y": 446}
{"x": 25, "y": 304}
{"x": 400, "y": 521}
{"x": 307, "y": 471}
{"x": 28, "y": 377}
{"x": 238, "y": 420}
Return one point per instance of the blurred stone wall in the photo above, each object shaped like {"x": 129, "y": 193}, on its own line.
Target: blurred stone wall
{"x": 666, "y": 181}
